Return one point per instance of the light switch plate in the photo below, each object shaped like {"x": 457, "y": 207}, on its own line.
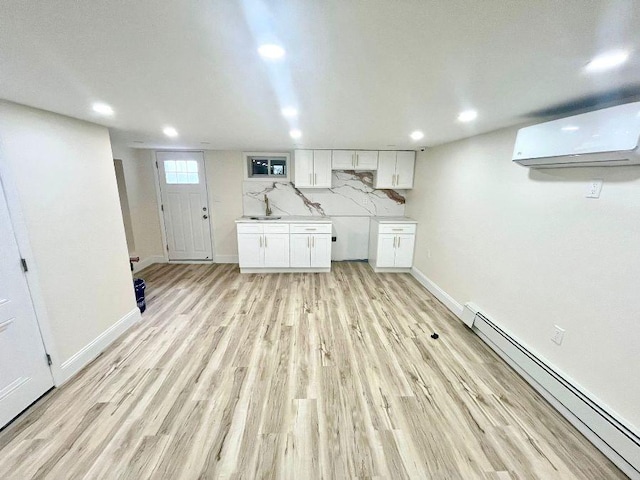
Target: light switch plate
{"x": 594, "y": 189}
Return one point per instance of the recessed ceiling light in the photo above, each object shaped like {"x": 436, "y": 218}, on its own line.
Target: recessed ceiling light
{"x": 607, "y": 60}
{"x": 295, "y": 133}
{"x": 170, "y": 132}
{"x": 102, "y": 109}
{"x": 467, "y": 116}
{"x": 271, "y": 52}
{"x": 570, "y": 128}
{"x": 289, "y": 112}
{"x": 417, "y": 135}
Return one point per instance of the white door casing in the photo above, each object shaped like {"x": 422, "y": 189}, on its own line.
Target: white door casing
{"x": 24, "y": 372}
{"x": 185, "y": 211}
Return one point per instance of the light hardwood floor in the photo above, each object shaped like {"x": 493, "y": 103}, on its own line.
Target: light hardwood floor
{"x": 297, "y": 376}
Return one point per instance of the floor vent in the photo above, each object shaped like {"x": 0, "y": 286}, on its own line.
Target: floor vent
{"x": 621, "y": 444}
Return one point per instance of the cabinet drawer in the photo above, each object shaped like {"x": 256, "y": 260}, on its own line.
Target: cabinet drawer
{"x": 276, "y": 228}
{"x": 397, "y": 228}
{"x": 250, "y": 228}
{"x": 311, "y": 228}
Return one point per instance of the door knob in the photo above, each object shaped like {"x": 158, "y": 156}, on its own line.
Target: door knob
{"x": 205, "y": 216}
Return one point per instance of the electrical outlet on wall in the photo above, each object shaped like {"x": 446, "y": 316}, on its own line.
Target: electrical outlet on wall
{"x": 558, "y": 335}
{"x": 594, "y": 189}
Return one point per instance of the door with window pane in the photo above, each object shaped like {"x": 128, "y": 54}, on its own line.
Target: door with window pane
{"x": 185, "y": 210}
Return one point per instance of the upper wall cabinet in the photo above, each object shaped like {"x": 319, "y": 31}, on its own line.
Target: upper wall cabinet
{"x": 354, "y": 160}
{"x": 395, "y": 170}
{"x": 312, "y": 168}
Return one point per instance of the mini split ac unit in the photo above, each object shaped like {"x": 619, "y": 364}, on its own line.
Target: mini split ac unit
{"x": 607, "y": 137}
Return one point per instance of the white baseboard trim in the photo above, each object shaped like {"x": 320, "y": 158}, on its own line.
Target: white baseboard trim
{"x": 89, "y": 352}
{"x": 602, "y": 434}
{"x": 147, "y": 262}
{"x": 226, "y": 259}
{"x": 437, "y": 292}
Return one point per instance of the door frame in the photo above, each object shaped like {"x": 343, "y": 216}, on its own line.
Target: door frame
{"x": 163, "y": 229}
{"x": 33, "y": 280}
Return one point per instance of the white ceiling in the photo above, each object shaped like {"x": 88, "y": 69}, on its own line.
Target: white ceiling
{"x": 363, "y": 74}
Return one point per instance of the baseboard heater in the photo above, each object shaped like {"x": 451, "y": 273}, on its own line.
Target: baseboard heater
{"x": 615, "y": 439}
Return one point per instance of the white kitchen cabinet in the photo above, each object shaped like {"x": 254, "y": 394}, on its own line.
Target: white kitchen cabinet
{"x": 294, "y": 245}
{"x": 391, "y": 245}
{"x": 263, "y": 246}
{"x": 312, "y": 168}
{"x": 354, "y": 159}
{"x": 395, "y": 170}
{"x": 310, "y": 246}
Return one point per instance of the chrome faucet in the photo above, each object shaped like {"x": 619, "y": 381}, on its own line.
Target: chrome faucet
{"x": 266, "y": 201}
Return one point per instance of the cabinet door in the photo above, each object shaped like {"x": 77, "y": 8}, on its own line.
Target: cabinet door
{"x": 386, "y": 250}
{"x": 385, "y": 175}
{"x": 322, "y": 168}
{"x": 404, "y": 169}
{"x": 320, "y": 250}
{"x": 300, "y": 251}
{"x": 303, "y": 168}
{"x": 276, "y": 250}
{"x": 343, "y": 159}
{"x": 404, "y": 250}
{"x": 367, "y": 160}
{"x": 250, "y": 252}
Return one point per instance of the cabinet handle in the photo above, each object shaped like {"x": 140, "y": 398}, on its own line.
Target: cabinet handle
{"x": 397, "y": 179}
{"x": 315, "y": 178}
{"x": 311, "y": 229}
{"x": 310, "y": 181}
{"x": 394, "y": 241}
{"x": 398, "y": 242}
{"x": 397, "y": 229}
{"x": 313, "y": 242}
{"x": 353, "y": 161}
{"x": 260, "y": 238}
{"x": 357, "y": 159}
{"x": 265, "y": 241}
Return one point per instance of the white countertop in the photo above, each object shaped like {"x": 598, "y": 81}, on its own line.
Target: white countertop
{"x": 394, "y": 220}
{"x": 287, "y": 219}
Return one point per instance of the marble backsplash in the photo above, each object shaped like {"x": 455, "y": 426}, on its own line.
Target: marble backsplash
{"x": 351, "y": 194}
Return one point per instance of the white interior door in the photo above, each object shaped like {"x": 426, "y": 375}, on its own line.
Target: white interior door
{"x": 183, "y": 189}
{"x": 24, "y": 370}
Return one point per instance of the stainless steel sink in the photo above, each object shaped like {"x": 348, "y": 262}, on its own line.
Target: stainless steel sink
{"x": 265, "y": 218}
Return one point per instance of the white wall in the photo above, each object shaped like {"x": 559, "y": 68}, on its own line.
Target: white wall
{"x": 531, "y": 251}
{"x": 224, "y": 184}
{"x": 62, "y": 172}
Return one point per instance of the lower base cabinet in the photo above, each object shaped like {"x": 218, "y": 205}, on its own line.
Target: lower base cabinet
{"x": 310, "y": 246}
{"x": 391, "y": 246}
{"x": 263, "y": 246}
{"x": 281, "y": 247}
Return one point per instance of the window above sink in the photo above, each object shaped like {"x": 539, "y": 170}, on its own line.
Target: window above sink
{"x": 265, "y": 166}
